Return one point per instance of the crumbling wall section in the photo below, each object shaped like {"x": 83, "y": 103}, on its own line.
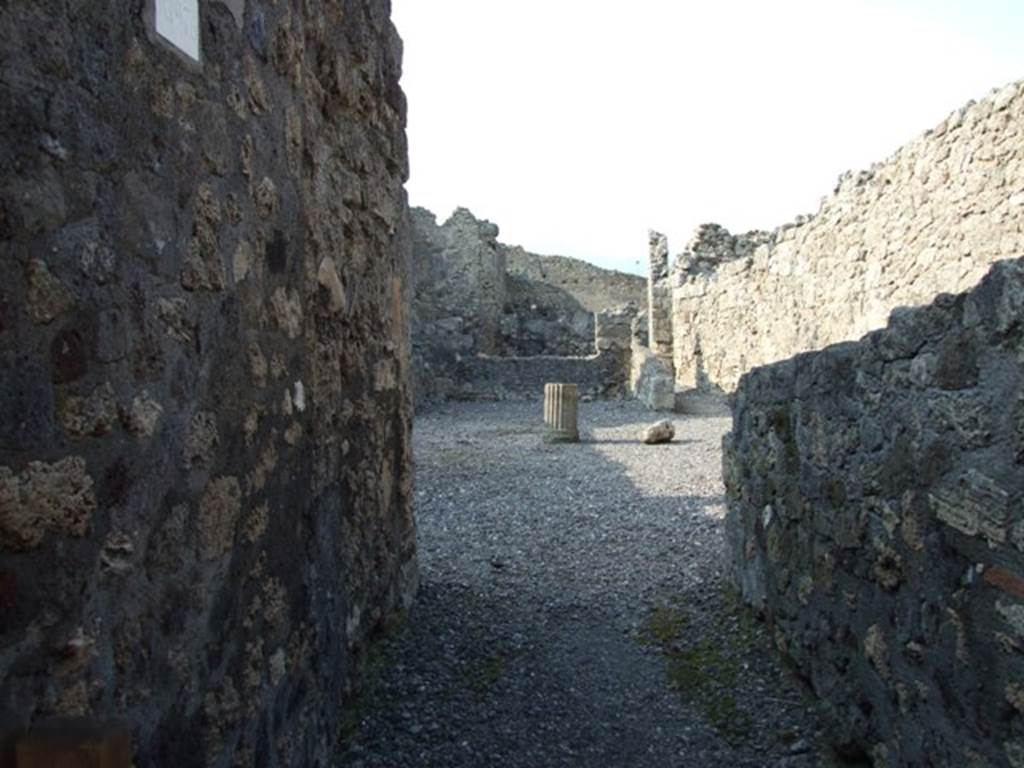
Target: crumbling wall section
{"x": 601, "y": 374}
{"x": 541, "y": 319}
{"x": 659, "y": 297}
{"x": 205, "y": 475}
{"x": 931, "y": 218}
{"x": 593, "y": 287}
{"x": 476, "y": 297}
{"x": 460, "y": 273}
{"x": 876, "y": 518}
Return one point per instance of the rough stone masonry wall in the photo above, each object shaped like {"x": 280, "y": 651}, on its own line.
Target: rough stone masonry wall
{"x": 205, "y": 477}
{"x": 601, "y": 374}
{"x": 595, "y": 288}
{"x": 931, "y": 218}
{"x": 459, "y": 269}
{"x": 475, "y": 296}
{"x": 876, "y": 517}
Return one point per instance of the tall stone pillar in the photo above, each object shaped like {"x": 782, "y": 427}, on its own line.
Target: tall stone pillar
{"x": 659, "y": 297}
{"x": 561, "y": 412}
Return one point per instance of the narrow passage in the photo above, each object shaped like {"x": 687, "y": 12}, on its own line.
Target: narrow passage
{"x": 573, "y": 608}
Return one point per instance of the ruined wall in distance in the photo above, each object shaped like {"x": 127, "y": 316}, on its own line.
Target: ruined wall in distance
{"x": 595, "y": 288}
{"x": 931, "y": 218}
{"x": 475, "y": 296}
{"x": 875, "y": 518}
{"x": 205, "y": 470}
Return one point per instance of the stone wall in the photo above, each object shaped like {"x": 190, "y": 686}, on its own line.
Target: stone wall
{"x": 594, "y": 288}
{"x": 541, "y": 319}
{"x": 876, "y": 519}
{"x": 475, "y": 296}
{"x": 931, "y": 218}
{"x": 459, "y": 271}
{"x": 602, "y": 374}
{"x": 659, "y": 297}
{"x": 205, "y": 476}
{"x": 523, "y": 378}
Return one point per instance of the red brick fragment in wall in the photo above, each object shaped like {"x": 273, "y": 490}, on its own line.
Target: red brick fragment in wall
{"x": 1009, "y": 582}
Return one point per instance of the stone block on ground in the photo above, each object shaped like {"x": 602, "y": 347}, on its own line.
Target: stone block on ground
{"x": 661, "y": 432}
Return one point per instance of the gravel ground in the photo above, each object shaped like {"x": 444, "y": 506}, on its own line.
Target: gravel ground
{"x": 573, "y": 608}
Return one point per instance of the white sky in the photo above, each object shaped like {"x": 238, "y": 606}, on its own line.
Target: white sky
{"x": 576, "y": 125}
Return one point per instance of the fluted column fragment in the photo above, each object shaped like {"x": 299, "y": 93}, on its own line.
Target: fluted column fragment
{"x": 561, "y": 412}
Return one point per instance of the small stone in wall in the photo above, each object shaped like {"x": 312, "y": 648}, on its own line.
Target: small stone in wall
{"x": 257, "y": 522}
{"x": 278, "y": 666}
{"x": 44, "y": 497}
{"x": 201, "y": 270}
{"x": 242, "y": 261}
{"x": 74, "y": 701}
{"x": 202, "y": 440}
{"x": 327, "y": 277}
{"x": 98, "y": 262}
{"x": 175, "y": 314}
{"x": 93, "y": 415}
{"x": 293, "y": 434}
{"x": 265, "y": 197}
{"x": 257, "y": 364}
{"x": 47, "y": 297}
{"x": 1014, "y": 753}
{"x": 1015, "y": 695}
{"x": 116, "y": 557}
{"x": 888, "y": 568}
{"x": 661, "y": 432}
{"x": 876, "y": 651}
{"x": 218, "y": 513}
{"x": 287, "y": 309}
{"x": 142, "y": 418}
{"x": 385, "y": 376}
{"x": 277, "y": 365}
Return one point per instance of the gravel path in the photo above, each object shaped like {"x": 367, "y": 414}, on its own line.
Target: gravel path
{"x": 573, "y": 609}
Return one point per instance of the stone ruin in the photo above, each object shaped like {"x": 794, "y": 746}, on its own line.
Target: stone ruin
{"x": 210, "y": 327}
{"x": 875, "y": 492}
{"x": 205, "y": 400}
{"x": 876, "y": 486}
{"x": 931, "y": 218}
{"x": 491, "y": 321}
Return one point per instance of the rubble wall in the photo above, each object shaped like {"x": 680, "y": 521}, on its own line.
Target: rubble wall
{"x": 875, "y": 518}
{"x": 205, "y": 471}
{"x": 931, "y": 218}
{"x": 475, "y": 296}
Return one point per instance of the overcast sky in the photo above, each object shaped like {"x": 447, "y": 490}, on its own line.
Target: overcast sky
{"x": 576, "y": 125}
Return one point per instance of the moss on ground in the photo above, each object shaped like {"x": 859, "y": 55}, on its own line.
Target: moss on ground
{"x": 371, "y": 665}
{"x": 482, "y": 676}
{"x": 702, "y": 673}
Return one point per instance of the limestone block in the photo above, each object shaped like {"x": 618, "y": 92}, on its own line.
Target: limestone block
{"x": 661, "y": 432}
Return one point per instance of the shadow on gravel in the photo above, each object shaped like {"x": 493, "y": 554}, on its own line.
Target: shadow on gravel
{"x": 574, "y": 609}
{"x": 586, "y": 440}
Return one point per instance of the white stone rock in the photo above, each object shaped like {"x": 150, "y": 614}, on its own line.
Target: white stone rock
{"x": 662, "y": 432}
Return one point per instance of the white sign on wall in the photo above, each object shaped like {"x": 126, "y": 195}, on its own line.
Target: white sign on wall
{"x": 177, "y": 21}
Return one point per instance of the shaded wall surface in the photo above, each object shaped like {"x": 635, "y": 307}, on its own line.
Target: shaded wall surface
{"x": 875, "y": 517}
{"x": 931, "y": 218}
{"x": 475, "y": 296}
{"x": 205, "y": 475}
